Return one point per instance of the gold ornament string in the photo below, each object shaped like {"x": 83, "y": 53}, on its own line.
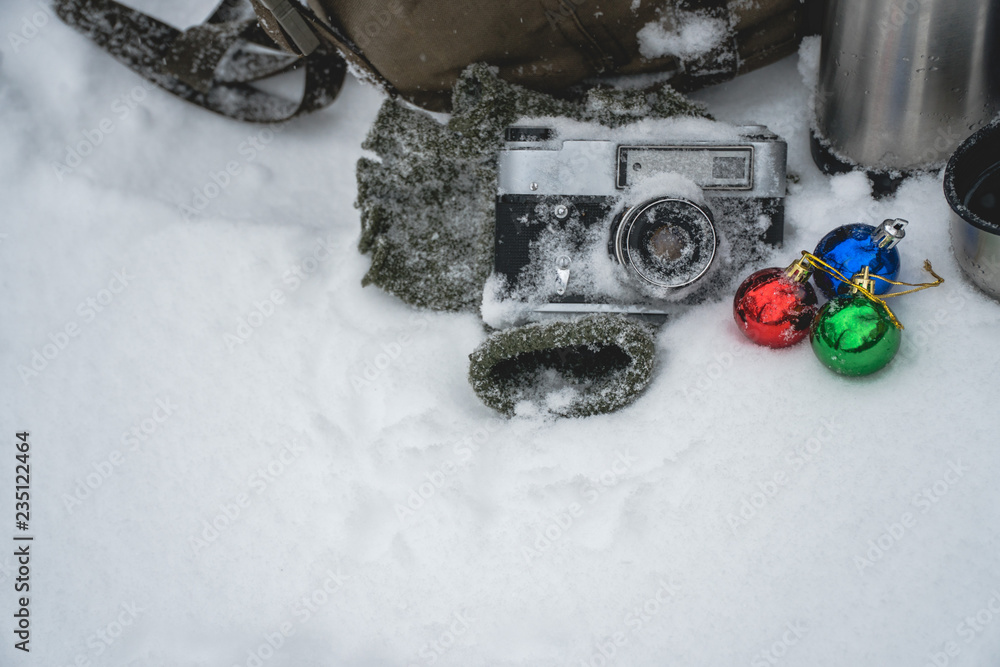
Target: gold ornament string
{"x": 819, "y": 264}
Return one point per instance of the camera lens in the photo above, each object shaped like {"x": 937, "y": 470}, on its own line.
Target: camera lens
{"x": 667, "y": 242}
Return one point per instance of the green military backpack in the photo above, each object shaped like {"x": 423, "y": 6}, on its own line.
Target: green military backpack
{"x": 417, "y": 49}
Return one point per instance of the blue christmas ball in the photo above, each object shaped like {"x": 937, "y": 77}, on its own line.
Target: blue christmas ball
{"x": 849, "y": 249}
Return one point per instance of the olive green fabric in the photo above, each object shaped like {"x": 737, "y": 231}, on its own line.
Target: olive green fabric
{"x": 427, "y": 217}
{"x": 420, "y": 47}
{"x": 576, "y": 368}
{"x": 427, "y": 205}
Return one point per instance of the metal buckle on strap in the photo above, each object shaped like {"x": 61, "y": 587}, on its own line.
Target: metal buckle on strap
{"x": 292, "y": 22}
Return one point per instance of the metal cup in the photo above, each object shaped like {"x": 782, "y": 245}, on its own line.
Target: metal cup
{"x": 972, "y": 188}
{"x": 903, "y": 82}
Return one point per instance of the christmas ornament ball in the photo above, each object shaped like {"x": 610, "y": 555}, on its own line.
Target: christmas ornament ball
{"x": 850, "y": 249}
{"x": 773, "y": 309}
{"x": 855, "y": 336}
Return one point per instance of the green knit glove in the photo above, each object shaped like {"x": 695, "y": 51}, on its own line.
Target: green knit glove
{"x": 427, "y": 204}
{"x": 569, "y": 368}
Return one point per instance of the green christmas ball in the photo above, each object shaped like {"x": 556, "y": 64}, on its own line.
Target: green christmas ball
{"x": 854, "y": 335}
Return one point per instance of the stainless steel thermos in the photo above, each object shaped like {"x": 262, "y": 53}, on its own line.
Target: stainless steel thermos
{"x": 972, "y": 188}
{"x": 903, "y": 82}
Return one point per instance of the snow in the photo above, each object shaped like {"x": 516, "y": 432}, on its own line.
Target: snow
{"x": 683, "y": 34}
{"x": 367, "y": 509}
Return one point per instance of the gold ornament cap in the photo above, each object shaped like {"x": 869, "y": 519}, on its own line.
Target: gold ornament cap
{"x": 864, "y": 281}
{"x": 799, "y": 271}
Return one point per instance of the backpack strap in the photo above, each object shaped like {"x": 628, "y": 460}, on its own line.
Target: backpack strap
{"x": 211, "y": 64}
{"x": 285, "y": 22}
{"x": 286, "y": 26}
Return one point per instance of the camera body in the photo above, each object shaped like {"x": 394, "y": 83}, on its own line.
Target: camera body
{"x": 628, "y": 220}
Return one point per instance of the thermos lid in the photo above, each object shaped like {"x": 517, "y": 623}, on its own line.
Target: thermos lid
{"x": 975, "y": 159}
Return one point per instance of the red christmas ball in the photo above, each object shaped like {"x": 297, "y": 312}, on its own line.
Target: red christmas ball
{"x": 776, "y": 307}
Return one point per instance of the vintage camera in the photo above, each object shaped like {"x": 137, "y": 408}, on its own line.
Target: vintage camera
{"x": 599, "y": 220}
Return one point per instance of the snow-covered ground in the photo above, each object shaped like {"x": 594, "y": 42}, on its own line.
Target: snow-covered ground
{"x": 239, "y": 456}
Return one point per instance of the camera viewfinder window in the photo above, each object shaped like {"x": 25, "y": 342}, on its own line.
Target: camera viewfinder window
{"x": 729, "y": 168}
{"x": 723, "y": 168}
